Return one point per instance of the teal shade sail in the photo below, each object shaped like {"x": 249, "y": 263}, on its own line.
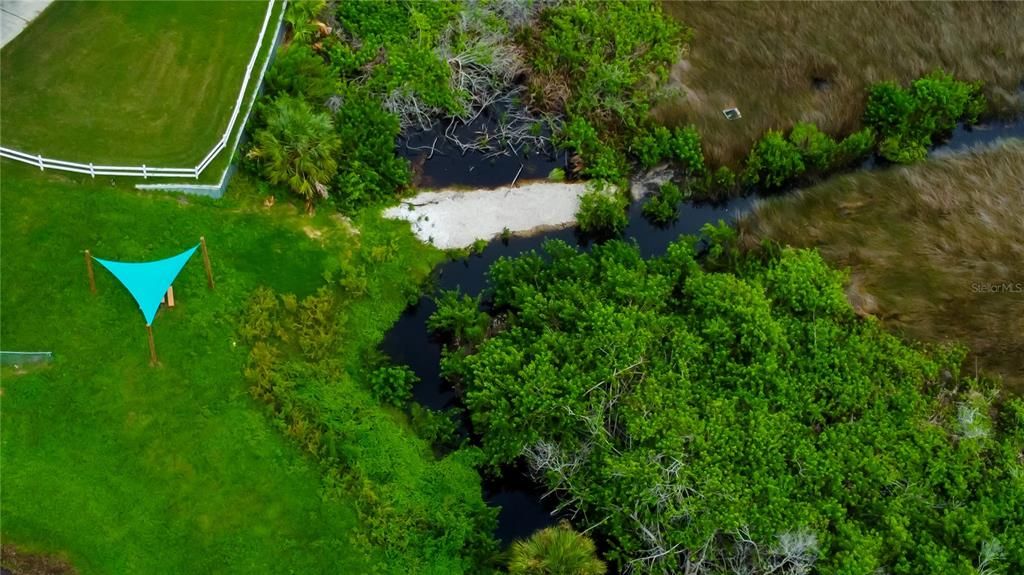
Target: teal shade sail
{"x": 148, "y": 281}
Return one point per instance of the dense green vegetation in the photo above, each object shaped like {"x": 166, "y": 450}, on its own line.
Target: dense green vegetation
{"x": 383, "y": 68}
{"x": 908, "y": 120}
{"x": 732, "y": 412}
{"x": 128, "y": 83}
{"x": 777, "y": 160}
{"x": 428, "y": 516}
{"x": 601, "y": 63}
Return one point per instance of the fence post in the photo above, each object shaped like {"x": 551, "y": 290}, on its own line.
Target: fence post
{"x": 92, "y": 170}
{"x": 144, "y": 176}
{"x": 196, "y": 170}
{"x": 40, "y": 158}
{"x": 152, "y": 345}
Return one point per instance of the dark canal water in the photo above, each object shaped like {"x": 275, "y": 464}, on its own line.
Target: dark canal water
{"x": 523, "y": 511}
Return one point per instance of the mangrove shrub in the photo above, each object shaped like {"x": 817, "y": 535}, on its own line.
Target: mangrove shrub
{"x": 726, "y": 412}
{"x": 908, "y": 120}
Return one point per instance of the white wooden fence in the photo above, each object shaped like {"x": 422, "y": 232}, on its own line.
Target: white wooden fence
{"x": 145, "y": 171}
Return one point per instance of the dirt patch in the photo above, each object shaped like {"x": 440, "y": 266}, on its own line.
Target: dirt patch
{"x": 18, "y": 562}
{"x": 457, "y": 218}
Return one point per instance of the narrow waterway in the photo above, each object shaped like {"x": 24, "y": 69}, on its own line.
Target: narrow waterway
{"x": 522, "y": 509}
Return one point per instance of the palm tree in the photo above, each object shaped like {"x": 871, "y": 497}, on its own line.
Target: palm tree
{"x": 557, "y": 550}
{"x": 298, "y": 148}
{"x": 301, "y": 15}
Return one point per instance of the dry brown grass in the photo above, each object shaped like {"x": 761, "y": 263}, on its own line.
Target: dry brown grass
{"x": 920, "y": 242}
{"x": 764, "y": 57}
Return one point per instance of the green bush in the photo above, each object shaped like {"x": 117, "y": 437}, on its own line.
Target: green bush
{"x": 663, "y": 207}
{"x": 458, "y": 316}
{"x": 407, "y": 33}
{"x": 600, "y": 160}
{"x": 392, "y": 384}
{"x": 352, "y": 279}
{"x": 602, "y": 212}
{"x": 316, "y": 327}
{"x": 773, "y": 161}
{"x": 817, "y": 148}
{"x": 370, "y": 172}
{"x": 652, "y": 146}
{"x": 298, "y": 71}
{"x": 300, "y": 16}
{"x": 723, "y": 182}
{"x": 655, "y": 145}
{"x": 557, "y": 175}
{"x": 437, "y": 427}
{"x": 907, "y": 121}
{"x": 686, "y": 150}
{"x": 604, "y": 62}
{"x": 855, "y": 147}
{"x": 613, "y": 54}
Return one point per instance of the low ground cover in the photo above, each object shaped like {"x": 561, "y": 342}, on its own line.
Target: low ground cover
{"x": 128, "y": 83}
{"x": 783, "y": 63}
{"x": 929, "y": 246}
{"x": 126, "y": 468}
{"x": 120, "y": 467}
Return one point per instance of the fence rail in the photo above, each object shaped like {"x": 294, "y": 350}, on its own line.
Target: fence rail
{"x": 23, "y": 357}
{"x": 145, "y": 171}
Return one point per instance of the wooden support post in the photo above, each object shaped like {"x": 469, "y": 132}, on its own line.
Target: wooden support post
{"x": 170, "y": 296}
{"x": 152, "y": 345}
{"x": 206, "y": 262}
{"x": 88, "y": 267}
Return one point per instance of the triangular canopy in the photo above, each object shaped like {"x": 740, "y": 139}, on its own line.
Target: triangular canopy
{"x": 148, "y": 281}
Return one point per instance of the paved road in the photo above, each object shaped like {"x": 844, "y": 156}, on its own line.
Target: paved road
{"x": 16, "y": 14}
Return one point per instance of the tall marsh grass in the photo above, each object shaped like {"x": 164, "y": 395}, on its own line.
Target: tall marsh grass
{"x": 783, "y": 63}
{"x": 936, "y": 250}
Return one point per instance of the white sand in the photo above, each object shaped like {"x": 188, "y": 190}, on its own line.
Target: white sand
{"x": 457, "y": 218}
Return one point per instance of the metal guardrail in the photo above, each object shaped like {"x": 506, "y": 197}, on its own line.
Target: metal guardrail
{"x": 145, "y": 171}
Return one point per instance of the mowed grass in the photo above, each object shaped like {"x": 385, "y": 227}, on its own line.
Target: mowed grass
{"x": 929, "y": 247}
{"x": 127, "y": 83}
{"x": 782, "y": 63}
{"x": 126, "y": 468}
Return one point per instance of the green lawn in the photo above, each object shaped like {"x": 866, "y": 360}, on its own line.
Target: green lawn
{"x": 173, "y": 469}
{"x": 127, "y": 82}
